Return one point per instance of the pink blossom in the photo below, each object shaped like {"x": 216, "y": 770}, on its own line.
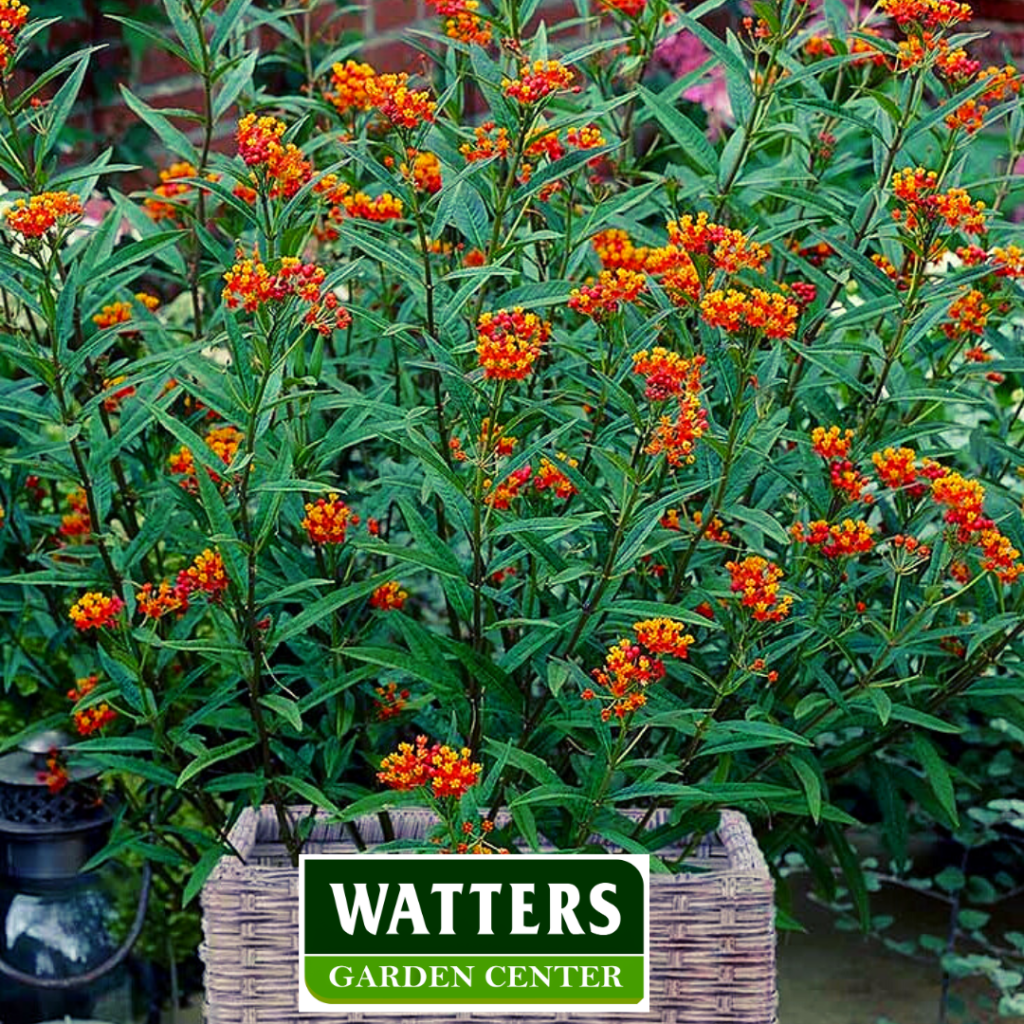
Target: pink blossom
{"x": 683, "y": 53}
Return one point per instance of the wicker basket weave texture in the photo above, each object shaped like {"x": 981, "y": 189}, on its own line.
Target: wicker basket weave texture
{"x": 712, "y": 932}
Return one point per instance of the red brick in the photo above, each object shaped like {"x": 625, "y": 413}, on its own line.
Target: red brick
{"x": 190, "y": 99}
{"x": 393, "y": 55}
{"x": 390, "y": 14}
{"x": 553, "y": 14}
{"x": 156, "y": 66}
{"x": 999, "y": 10}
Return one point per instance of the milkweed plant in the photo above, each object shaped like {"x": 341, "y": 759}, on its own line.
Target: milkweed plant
{"x": 514, "y": 437}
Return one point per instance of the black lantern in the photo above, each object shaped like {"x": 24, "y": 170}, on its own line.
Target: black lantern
{"x": 57, "y": 953}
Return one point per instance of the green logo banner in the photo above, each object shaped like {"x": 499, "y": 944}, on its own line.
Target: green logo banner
{"x": 520, "y": 934}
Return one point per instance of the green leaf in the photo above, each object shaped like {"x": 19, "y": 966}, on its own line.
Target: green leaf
{"x": 550, "y": 793}
{"x": 904, "y": 713}
{"x": 389, "y": 801}
{"x": 525, "y": 822}
{"x": 852, "y": 872}
{"x": 811, "y": 782}
{"x": 536, "y": 767}
{"x": 289, "y": 709}
{"x": 972, "y": 920}
{"x": 170, "y": 137}
{"x": 937, "y": 773}
{"x": 693, "y": 142}
{"x": 325, "y": 606}
{"x": 762, "y": 521}
{"x": 209, "y": 757}
{"x": 309, "y": 792}
{"x": 950, "y": 879}
{"x": 200, "y": 873}
{"x": 60, "y": 106}
{"x": 136, "y": 254}
{"x": 136, "y": 766}
{"x": 737, "y": 74}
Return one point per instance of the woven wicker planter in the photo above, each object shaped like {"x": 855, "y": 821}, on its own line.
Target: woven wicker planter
{"x": 712, "y": 933}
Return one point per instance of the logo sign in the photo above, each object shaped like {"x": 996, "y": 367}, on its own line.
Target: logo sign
{"x": 520, "y": 934}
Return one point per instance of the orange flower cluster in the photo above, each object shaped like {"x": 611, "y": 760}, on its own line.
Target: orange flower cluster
{"x": 446, "y": 772}
{"x": 475, "y": 843}
{"x": 630, "y": 8}
{"x": 1009, "y": 261}
{"x": 172, "y": 187}
{"x": 1004, "y": 84}
{"x": 550, "y": 478}
{"x": 678, "y": 274}
{"x": 677, "y": 438}
{"x": 728, "y": 249}
{"x": 488, "y": 141}
{"x": 391, "y": 96}
{"x": 349, "y": 81}
{"x": 55, "y": 777}
{"x": 917, "y": 189}
{"x": 716, "y": 528}
{"x": 462, "y": 23}
{"x": 668, "y": 374}
{"x": 587, "y": 137}
{"x": 502, "y": 496}
{"x": 251, "y": 284}
{"x": 605, "y": 296}
{"x": 757, "y": 580}
{"x": 379, "y": 208}
{"x": 914, "y": 553}
{"x": 954, "y": 65}
{"x": 509, "y": 342}
{"x": 629, "y": 668}
{"x": 389, "y": 597}
{"x": 887, "y": 267}
{"x": 121, "y": 312}
{"x": 663, "y": 636}
{"x": 260, "y": 146}
{"x": 896, "y": 467}
{"x": 91, "y": 719}
{"x": 823, "y": 46}
{"x": 964, "y": 501}
{"x": 112, "y": 403}
{"x": 34, "y": 216}
{"x": 848, "y": 479}
{"x": 259, "y": 138}
{"x": 537, "y": 81}
{"x": 205, "y": 574}
{"x": 95, "y": 610}
{"x": 494, "y": 439}
{"x": 999, "y": 556}
{"x": 840, "y": 540}
{"x": 920, "y": 14}
{"x": 773, "y": 314}
{"x": 76, "y": 523}
{"x": 615, "y": 249}
{"x": 327, "y": 520}
{"x": 967, "y": 315}
{"x": 424, "y": 172}
{"x": 222, "y": 441}
{"x": 13, "y": 15}
{"x": 391, "y": 701}
{"x": 544, "y": 144}
{"x": 163, "y": 601}
{"x": 831, "y": 443}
